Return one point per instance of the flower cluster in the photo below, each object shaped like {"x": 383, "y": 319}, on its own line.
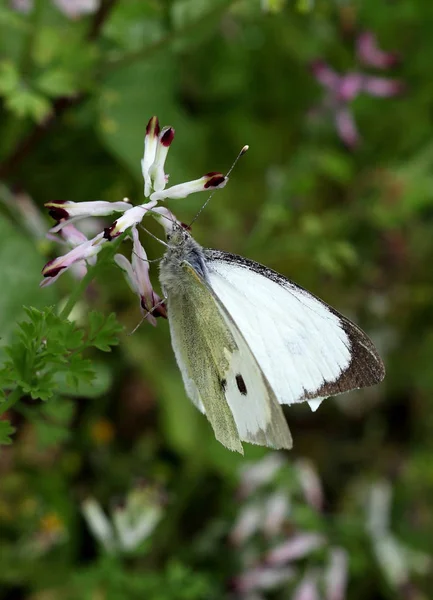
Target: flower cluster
{"x": 342, "y": 89}
{"x": 85, "y": 251}
{"x": 268, "y": 511}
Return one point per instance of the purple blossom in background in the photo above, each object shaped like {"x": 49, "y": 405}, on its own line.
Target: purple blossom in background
{"x": 73, "y": 9}
{"x": 273, "y": 548}
{"x": 342, "y": 89}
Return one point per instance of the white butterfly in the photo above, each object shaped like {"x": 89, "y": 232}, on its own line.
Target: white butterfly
{"x": 247, "y": 339}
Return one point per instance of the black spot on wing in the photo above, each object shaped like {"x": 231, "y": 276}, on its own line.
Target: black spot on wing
{"x": 223, "y": 384}
{"x": 241, "y": 384}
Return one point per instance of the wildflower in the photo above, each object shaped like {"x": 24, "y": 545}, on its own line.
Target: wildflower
{"x": 98, "y": 523}
{"x": 396, "y": 560}
{"x": 65, "y": 212}
{"x": 295, "y": 547}
{"x": 85, "y": 251}
{"x": 310, "y": 483}
{"x": 137, "y": 275}
{"x": 307, "y": 588}
{"x": 261, "y": 578}
{"x": 260, "y": 473}
{"x": 131, "y": 522}
{"x": 371, "y": 55}
{"x": 336, "y": 574}
{"x": 342, "y": 89}
{"x": 157, "y": 142}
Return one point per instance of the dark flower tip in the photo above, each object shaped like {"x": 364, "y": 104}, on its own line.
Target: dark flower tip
{"x": 167, "y": 137}
{"x": 108, "y": 231}
{"x": 215, "y": 180}
{"x": 159, "y": 309}
{"x": 47, "y": 272}
{"x": 58, "y": 214}
{"x": 153, "y": 126}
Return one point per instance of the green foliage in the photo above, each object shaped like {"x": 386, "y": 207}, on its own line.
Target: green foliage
{"x": 45, "y": 348}
{"x": 354, "y": 226}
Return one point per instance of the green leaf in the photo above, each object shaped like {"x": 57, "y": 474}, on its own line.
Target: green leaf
{"x": 97, "y": 386}
{"x": 56, "y": 82}
{"x": 129, "y": 97}
{"x": 6, "y": 430}
{"x": 103, "y": 331}
{"x": 20, "y": 266}
{"x": 27, "y": 103}
{"x": 9, "y": 77}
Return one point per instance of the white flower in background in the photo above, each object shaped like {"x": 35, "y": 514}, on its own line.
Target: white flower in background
{"x": 396, "y": 560}
{"x": 157, "y": 143}
{"x": 273, "y": 546}
{"x": 131, "y": 523}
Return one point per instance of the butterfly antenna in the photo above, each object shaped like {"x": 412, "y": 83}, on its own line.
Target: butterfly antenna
{"x": 241, "y": 153}
{"x": 152, "y": 260}
{"x": 149, "y": 312}
{"x": 155, "y": 237}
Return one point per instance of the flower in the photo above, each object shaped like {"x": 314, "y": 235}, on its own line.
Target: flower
{"x": 137, "y": 275}
{"x": 342, "y": 89}
{"x": 85, "y": 251}
{"x": 65, "y": 212}
{"x": 130, "y": 523}
{"x": 371, "y": 55}
{"x": 157, "y": 143}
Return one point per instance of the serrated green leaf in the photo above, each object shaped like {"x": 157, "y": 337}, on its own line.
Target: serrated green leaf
{"x": 27, "y": 103}
{"x": 6, "y": 430}
{"x": 93, "y": 388}
{"x": 104, "y": 331}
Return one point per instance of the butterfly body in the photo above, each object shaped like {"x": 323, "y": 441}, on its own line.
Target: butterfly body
{"x": 246, "y": 340}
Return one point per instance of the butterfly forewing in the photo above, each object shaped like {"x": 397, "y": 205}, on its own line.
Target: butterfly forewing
{"x": 306, "y": 349}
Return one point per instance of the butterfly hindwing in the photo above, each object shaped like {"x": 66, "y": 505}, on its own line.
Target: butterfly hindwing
{"x": 220, "y": 373}
{"x": 306, "y": 349}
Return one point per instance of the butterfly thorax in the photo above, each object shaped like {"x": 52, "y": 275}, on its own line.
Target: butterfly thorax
{"x": 182, "y": 249}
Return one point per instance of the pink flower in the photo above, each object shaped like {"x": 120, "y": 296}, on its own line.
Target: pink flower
{"x": 307, "y": 589}
{"x": 85, "y": 251}
{"x": 137, "y": 275}
{"x": 336, "y": 574}
{"x": 342, "y": 89}
{"x": 297, "y": 546}
{"x": 371, "y": 55}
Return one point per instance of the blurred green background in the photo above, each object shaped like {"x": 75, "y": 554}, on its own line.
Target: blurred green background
{"x": 349, "y": 217}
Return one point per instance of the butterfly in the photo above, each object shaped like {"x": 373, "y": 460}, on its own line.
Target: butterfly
{"x": 248, "y": 340}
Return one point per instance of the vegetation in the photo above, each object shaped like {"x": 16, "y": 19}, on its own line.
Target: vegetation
{"x": 112, "y": 485}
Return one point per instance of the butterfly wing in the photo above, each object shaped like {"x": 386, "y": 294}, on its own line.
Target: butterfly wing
{"x": 221, "y": 375}
{"x": 306, "y": 349}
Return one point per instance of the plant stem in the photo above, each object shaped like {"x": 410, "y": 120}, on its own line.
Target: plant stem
{"x": 78, "y": 291}
{"x": 11, "y": 399}
{"x": 166, "y": 39}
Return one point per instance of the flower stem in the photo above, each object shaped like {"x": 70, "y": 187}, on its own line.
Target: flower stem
{"x": 78, "y": 291}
